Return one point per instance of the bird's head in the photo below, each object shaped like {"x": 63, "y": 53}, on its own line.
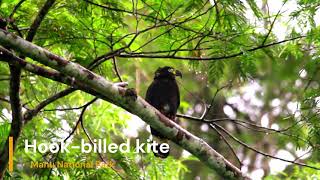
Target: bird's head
{"x": 167, "y": 72}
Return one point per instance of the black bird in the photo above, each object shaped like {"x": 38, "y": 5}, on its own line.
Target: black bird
{"x": 163, "y": 94}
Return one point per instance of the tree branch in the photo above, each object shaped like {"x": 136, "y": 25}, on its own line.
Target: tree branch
{"x": 118, "y": 96}
{"x": 140, "y": 55}
{"x": 36, "y": 23}
{"x": 16, "y": 7}
{"x": 53, "y": 75}
{"x": 17, "y": 119}
{"x": 259, "y": 152}
{"x": 213, "y": 124}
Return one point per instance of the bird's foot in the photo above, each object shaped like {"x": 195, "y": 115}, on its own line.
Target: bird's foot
{"x": 131, "y": 93}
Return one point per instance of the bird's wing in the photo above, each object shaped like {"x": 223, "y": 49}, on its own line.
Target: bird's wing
{"x": 150, "y": 95}
{"x": 178, "y": 96}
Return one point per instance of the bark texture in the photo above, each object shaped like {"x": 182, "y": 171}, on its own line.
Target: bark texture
{"x": 137, "y": 106}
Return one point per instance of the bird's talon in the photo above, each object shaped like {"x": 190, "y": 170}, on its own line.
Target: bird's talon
{"x": 131, "y": 93}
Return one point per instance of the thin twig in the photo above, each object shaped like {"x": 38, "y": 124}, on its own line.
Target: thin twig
{"x": 272, "y": 24}
{"x": 132, "y": 55}
{"x": 229, "y": 145}
{"x": 100, "y": 156}
{"x": 244, "y": 123}
{"x": 213, "y": 99}
{"x": 260, "y": 152}
{"x": 116, "y": 68}
{"x": 16, "y": 7}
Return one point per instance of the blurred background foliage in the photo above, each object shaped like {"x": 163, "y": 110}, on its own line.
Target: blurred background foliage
{"x": 265, "y": 53}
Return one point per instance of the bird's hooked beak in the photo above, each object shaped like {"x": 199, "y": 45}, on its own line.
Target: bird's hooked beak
{"x": 178, "y": 73}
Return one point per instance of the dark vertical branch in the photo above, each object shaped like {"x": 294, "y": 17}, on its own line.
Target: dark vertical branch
{"x": 17, "y": 120}
{"x": 15, "y": 77}
{"x": 15, "y": 102}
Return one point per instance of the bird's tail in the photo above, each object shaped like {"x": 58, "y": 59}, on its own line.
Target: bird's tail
{"x": 158, "y": 153}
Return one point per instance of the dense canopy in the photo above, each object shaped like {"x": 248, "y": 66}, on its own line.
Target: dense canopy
{"x": 249, "y": 96}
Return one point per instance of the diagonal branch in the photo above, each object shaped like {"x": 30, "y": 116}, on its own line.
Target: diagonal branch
{"x": 138, "y": 106}
{"x": 259, "y": 152}
{"x": 272, "y": 24}
{"x": 50, "y": 74}
{"x": 213, "y": 124}
{"x": 36, "y": 23}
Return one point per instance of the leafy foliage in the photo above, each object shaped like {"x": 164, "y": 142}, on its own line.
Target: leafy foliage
{"x": 213, "y": 43}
